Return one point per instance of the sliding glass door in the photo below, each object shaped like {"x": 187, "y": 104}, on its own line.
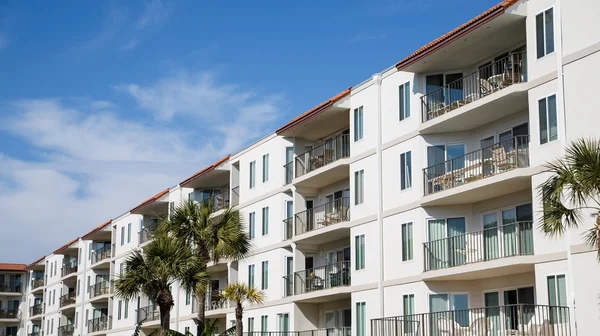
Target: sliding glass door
{"x": 447, "y": 243}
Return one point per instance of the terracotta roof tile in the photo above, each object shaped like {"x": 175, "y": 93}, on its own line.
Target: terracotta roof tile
{"x": 456, "y": 33}
{"x": 151, "y": 199}
{"x": 204, "y": 170}
{"x": 98, "y": 228}
{"x": 12, "y": 267}
{"x": 35, "y": 262}
{"x": 314, "y": 111}
{"x": 66, "y": 245}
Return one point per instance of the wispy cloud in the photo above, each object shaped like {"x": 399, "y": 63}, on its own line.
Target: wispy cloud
{"x": 364, "y": 36}
{"x": 154, "y": 14}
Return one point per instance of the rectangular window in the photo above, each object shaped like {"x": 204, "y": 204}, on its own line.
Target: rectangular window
{"x": 359, "y": 246}
{"x": 54, "y": 297}
{"x": 264, "y": 323}
{"x": 359, "y": 187}
{"x": 121, "y": 268}
{"x": 48, "y": 327}
{"x": 79, "y": 257}
{"x": 407, "y": 241}
{"x": 265, "y": 221}
{"x": 557, "y": 297}
{"x": 251, "y": 224}
{"x": 126, "y": 309}
{"x": 87, "y": 315}
{"x": 265, "y": 275}
{"x": 122, "y": 235}
{"x": 90, "y": 250}
{"x": 548, "y": 121}
{"x": 78, "y": 287}
{"x": 358, "y": 124}
{"x": 408, "y": 309}
{"x": 55, "y": 267}
{"x": 284, "y": 323}
{"x": 361, "y": 319}
{"x": 188, "y": 297}
{"x": 265, "y": 172}
{"x": 252, "y": 174}
{"x": 129, "y": 233}
{"x": 76, "y": 319}
{"x": 51, "y": 268}
{"x": 186, "y": 330}
{"x": 171, "y": 208}
{"x": 544, "y": 33}
{"x": 250, "y": 324}
{"x": 250, "y": 276}
{"x": 52, "y": 325}
{"x": 404, "y": 94}
{"x": 405, "y": 170}
{"x": 119, "y": 310}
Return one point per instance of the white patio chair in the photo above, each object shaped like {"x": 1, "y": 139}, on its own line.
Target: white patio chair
{"x": 449, "y": 327}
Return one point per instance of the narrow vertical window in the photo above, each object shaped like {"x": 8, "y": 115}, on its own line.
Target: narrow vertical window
{"x": 265, "y": 275}
{"x": 251, "y": 224}
{"x": 188, "y": 297}
{"x": 122, "y": 235}
{"x": 250, "y": 276}
{"x": 544, "y": 32}
{"x": 548, "y": 119}
{"x": 407, "y": 241}
{"x": 359, "y": 247}
{"x": 404, "y": 100}
{"x": 408, "y": 309}
{"x": 252, "y": 174}
{"x": 557, "y": 297}
{"x": 359, "y": 185}
{"x": 126, "y": 309}
{"x": 358, "y": 123}
{"x": 361, "y": 319}
{"x": 264, "y": 324}
{"x": 119, "y": 310}
{"x": 265, "y": 172}
{"x": 129, "y": 232}
{"x": 405, "y": 170}
{"x": 250, "y": 324}
{"x": 265, "y": 221}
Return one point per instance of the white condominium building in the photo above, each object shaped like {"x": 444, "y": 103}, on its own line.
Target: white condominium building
{"x": 405, "y": 205}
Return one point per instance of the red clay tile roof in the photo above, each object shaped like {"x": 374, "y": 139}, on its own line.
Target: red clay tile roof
{"x": 204, "y": 171}
{"x": 102, "y": 226}
{"x": 66, "y": 245}
{"x": 314, "y": 111}
{"x": 456, "y": 33}
{"x": 35, "y": 262}
{"x": 151, "y": 199}
{"x": 12, "y": 267}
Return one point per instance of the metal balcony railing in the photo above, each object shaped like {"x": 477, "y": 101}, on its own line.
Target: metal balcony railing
{"x": 37, "y": 283}
{"x": 12, "y": 313}
{"x": 235, "y": 196}
{"x": 11, "y": 287}
{"x": 288, "y": 172}
{"x": 146, "y": 233}
{"x": 288, "y": 228}
{"x": 66, "y": 330}
{"x": 330, "y": 213}
{"x": 218, "y": 201}
{"x": 214, "y": 301}
{"x": 35, "y": 333}
{"x": 492, "y": 160}
{"x": 99, "y": 324}
{"x": 69, "y": 268}
{"x": 490, "y": 78}
{"x": 521, "y": 319}
{"x": 508, "y": 240}
{"x": 100, "y": 288}
{"x": 346, "y": 331}
{"x": 319, "y": 278}
{"x": 68, "y": 299}
{"x": 324, "y": 154}
{"x": 102, "y": 253}
{"x": 36, "y": 309}
{"x": 148, "y": 313}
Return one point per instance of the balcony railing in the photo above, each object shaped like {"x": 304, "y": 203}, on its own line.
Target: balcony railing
{"x": 490, "y": 78}
{"x": 36, "y": 309}
{"x": 288, "y": 228}
{"x": 492, "y": 160}
{"x": 215, "y": 301}
{"x": 69, "y": 268}
{"x": 147, "y": 232}
{"x": 66, "y": 330}
{"x": 148, "y": 313}
{"x": 9, "y": 313}
{"x": 102, "y": 253}
{"x": 35, "y": 333}
{"x": 320, "y": 278}
{"x": 37, "y": 283}
{"x": 219, "y": 201}
{"x": 100, "y": 288}
{"x": 321, "y": 216}
{"x": 288, "y": 172}
{"x": 317, "y": 332}
{"x": 99, "y": 324}
{"x": 10, "y": 287}
{"x": 68, "y": 299}
{"x": 521, "y": 319}
{"x": 324, "y": 154}
{"x": 508, "y": 240}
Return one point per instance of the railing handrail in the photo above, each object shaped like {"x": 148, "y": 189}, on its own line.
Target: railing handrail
{"x": 98, "y": 287}
{"x": 342, "y": 264}
{"x": 476, "y": 233}
{"x": 12, "y": 286}
{"x": 330, "y": 140}
{"x": 330, "y": 213}
{"x": 35, "y": 283}
{"x": 102, "y": 253}
{"x": 324, "y": 205}
{"x": 225, "y": 199}
{"x": 67, "y": 327}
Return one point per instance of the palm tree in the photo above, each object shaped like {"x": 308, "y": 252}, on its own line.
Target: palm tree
{"x": 573, "y": 188}
{"x": 210, "y": 238}
{"x": 238, "y": 293}
{"x": 152, "y": 271}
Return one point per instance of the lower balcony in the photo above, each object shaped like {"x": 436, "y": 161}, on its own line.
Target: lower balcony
{"x": 9, "y": 315}
{"x": 520, "y": 319}
{"x": 11, "y": 287}
{"x": 98, "y": 324}
{"x": 66, "y": 330}
{"x": 100, "y": 291}
{"x": 68, "y": 299}
{"x": 147, "y": 314}
{"x": 37, "y": 285}
{"x": 318, "y": 279}
{"x": 69, "y": 269}
{"x": 36, "y": 311}
{"x": 346, "y": 331}
{"x": 323, "y": 216}
{"x": 101, "y": 256}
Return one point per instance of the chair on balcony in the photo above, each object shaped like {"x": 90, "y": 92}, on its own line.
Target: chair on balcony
{"x": 501, "y": 159}
{"x": 450, "y": 327}
{"x": 486, "y": 87}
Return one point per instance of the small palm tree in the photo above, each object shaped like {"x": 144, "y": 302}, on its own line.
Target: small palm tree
{"x": 238, "y": 293}
{"x": 210, "y": 238}
{"x": 152, "y": 271}
{"x": 573, "y": 188}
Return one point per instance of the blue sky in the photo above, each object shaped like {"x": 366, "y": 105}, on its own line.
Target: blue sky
{"x": 105, "y": 103}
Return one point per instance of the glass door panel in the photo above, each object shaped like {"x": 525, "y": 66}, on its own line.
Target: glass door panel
{"x": 456, "y": 241}
{"x": 509, "y": 232}
{"x": 490, "y": 236}
{"x": 492, "y": 311}
{"x": 437, "y": 244}
{"x": 486, "y": 153}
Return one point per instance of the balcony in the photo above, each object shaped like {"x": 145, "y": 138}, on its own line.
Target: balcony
{"x": 148, "y": 313}
{"x": 66, "y": 330}
{"x": 288, "y": 172}
{"x": 37, "y": 309}
{"x": 288, "y": 228}
{"x": 69, "y": 269}
{"x": 103, "y": 253}
{"x": 9, "y": 314}
{"x": 323, "y": 216}
{"x": 477, "y": 169}
{"x": 68, "y": 299}
{"x": 218, "y": 201}
{"x": 318, "y": 278}
{"x": 146, "y": 233}
{"x": 235, "y": 196}
{"x": 35, "y": 333}
{"x": 11, "y": 287}
{"x": 101, "y": 323}
{"x": 344, "y": 331}
{"x": 521, "y": 319}
{"x": 99, "y": 289}
{"x": 327, "y": 159}
{"x": 36, "y": 284}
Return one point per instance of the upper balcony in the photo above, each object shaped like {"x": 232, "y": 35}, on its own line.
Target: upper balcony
{"x": 37, "y": 285}
{"x": 36, "y": 311}
{"x": 10, "y": 315}
{"x": 69, "y": 270}
{"x": 343, "y": 331}
{"x": 99, "y": 292}
{"x": 320, "y": 278}
{"x": 99, "y": 324}
{"x": 11, "y": 288}
{"x": 147, "y": 314}
{"x": 67, "y": 301}
{"x": 323, "y": 164}
{"x": 488, "y": 172}
{"x": 326, "y": 218}
{"x": 147, "y": 231}
{"x": 66, "y": 330}
{"x": 101, "y": 257}
{"x": 218, "y": 198}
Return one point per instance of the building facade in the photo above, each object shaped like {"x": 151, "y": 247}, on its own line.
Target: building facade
{"x": 406, "y": 205}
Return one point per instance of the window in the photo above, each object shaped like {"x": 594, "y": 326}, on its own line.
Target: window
{"x": 265, "y": 221}
{"x": 51, "y": 268}
{"x": 171, "y": 208}
{"x": 52, "y": 325}
{"x": 252, "y": 174}
{"x": 79, "y": 257}
{"x": 544, "y": 32}
{"x": 186, "y": 330}
{"x": 359, "y": 185}
{"x": 55, "y": 267}
{"x": 129, "y": 233}
{"x": 404, "y": 94}
{"x": 359, "y": 246}
{"x": 90, "y": 250}
{"x": 54, "y": 297}
{"x": 548, "y": 122}
{"x": 250, "y": 324}
{"x": 119, "y": 310}
{"x": 265, "y": 275}
{"x": 48, "y": 327}
{"x": 265, "y": 173}
{"x": 405, "y": 171}
{"x": 126, "y": 309}
{"x": 122, "y": 235}
{"x": 358, "y": 124}
{"x": 76, "y": 319}
{"x": 284, "y": 322}
{"x": 557, "y": 297}
{"x": 251, "y": 224}
{"x": 87, "y": 314}
{"x": 188, "y": 297}
{"x": 361, "y": 319}
{"x": 407, "y": 241}
{"x": 78, "y": 287}
{"x": 264, "y": 323}
{"x": 121, "y": 269}
{"x": 250, "y": 276}
{"x": 408, "y": 308}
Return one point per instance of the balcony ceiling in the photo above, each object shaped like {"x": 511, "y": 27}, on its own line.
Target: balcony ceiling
{"x": 333, "y": 119}
{"x": 213, "y": 179}
{"x": 479, "y": 44}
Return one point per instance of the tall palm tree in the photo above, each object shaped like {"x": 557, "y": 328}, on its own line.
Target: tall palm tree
{"x": 238, "y": 293}
{"x": 573, "y": 188}
{"x": 210, "y": 238}
{"x": 152, "y": 271}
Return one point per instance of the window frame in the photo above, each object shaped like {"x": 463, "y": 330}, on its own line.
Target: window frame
{"x": 264, "y": 274}
{"x": 359, "y": 132}
{"x": 410, "y": 249}
{"x": 265, "y": 221}
{"x": 360, "y": 257}
{"x": 546, "y": 100}
{"x": 252, "y": 225}
{"x": 404, "y": 97}
{"x": 361, "y": 318}
{"x": 406, "y": 165}
{"x": 543, "y": 13}
{"x": 265, "y": 168}
{"x": 252, "y": 182}
{"x": 251, "y": 275}
{"x": 359, "y": 191}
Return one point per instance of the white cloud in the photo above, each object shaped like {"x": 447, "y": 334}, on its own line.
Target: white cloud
{"x": 154, "y": 14}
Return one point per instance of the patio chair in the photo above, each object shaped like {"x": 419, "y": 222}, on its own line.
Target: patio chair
{"x": 501, "y": 160}
{"x": 533, "y": 329}
{"x": 485, "y": 87}
{"x": 450, "y": 327}
{"x": 481, "y": 327}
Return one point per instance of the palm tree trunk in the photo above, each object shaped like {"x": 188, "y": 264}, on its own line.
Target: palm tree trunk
{"x": 200, "y": 315}
{"x": 164, "y": 299}
{"x": 239, "y": 315}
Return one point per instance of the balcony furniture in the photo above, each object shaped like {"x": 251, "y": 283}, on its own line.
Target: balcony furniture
{"x": 315, "y": 283}
{"x": 503, "y": 160}
{"x": 450, "y": 327}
